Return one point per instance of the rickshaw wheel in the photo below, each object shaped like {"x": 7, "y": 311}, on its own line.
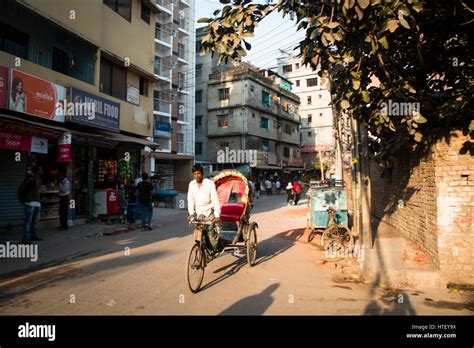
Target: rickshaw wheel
{"x": 252, "y": 245}
{"x": 195, "y": 268}
{"x": 338, "y": 236}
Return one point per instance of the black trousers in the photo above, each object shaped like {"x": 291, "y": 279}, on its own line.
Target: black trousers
{"x": 63, "y": 210}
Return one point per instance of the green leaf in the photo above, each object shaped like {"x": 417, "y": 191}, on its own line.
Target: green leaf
{"x": 332, "y": 25}
{"x": 365, "y": 96}
{"x": 363, "y": 3}
{"x": 418, "y": 137}
{"x": 392, "y": 25}
{"x": 356, "y": 84}
{"x": 226, "y": 9}
{"x": 216, "y": 12}
{"x": 247, "y": 45}
{"x": 418, "y": 7}
{"x": 471, "y": 126}
{"x": 403, "y": 22}
{"x": 383, "y": 41}
{"x": 418, "y": 118}
{"x": 345, "y": 104}
{"x": 204, "y": 20}
{"x": 360, "y": 14}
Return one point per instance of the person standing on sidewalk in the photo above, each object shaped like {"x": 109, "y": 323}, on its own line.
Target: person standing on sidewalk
{"x": 64, "y": 192}
{"x": 268, "y": 185}
{"x": 289, "y": 192}
{"x": 145, "y": 187}
{"x": 278, "y": 186}
{"x": 28, "y": 194}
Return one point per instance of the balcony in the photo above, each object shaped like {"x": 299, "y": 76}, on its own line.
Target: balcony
{"x": 165, "y": 144}
{"x": 166, "y": 6}
{"x": 161, "y": 107}
{"x": 161, "y": 71}
{"x": 185, "y": 3}
{"x": 183, "y": 26}
{"x": 163, "y": 36}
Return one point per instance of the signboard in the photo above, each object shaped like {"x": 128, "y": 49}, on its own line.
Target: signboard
{"x": 31, "y": 95}
{"x": 3, "y": 86}
{"x": 133, "y": 95}
{"x": 64, "y": 148}
{"x": 297, "y": 162}
{"x": 23, "y": 143}
{"x": 106, "y": 112}
{"x": 15, "y": 142}
{"x": 163, "y": 129}
{"x": 39, "y": 145}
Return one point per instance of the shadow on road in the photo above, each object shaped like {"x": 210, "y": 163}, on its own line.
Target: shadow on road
{"x": 253, "y": 305}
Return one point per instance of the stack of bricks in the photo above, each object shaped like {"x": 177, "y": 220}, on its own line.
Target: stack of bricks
{"x": 430, "y": 201}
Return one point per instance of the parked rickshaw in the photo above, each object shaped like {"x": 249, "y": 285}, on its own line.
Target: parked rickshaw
{"x": 235, "y": 230}
{"x": 329, "y": 214}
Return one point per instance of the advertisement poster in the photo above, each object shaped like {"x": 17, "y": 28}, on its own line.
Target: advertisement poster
{"x": 35, "y": 96}
{"x": 64, "y": 148}
{"x": 3, "y": 86}
{"x": 15, "y": 142}
{"x": 105, "y": 115}
{"x": 162, "y": 129}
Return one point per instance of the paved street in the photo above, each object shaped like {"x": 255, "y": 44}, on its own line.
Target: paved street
{"x": 95, "y": 273}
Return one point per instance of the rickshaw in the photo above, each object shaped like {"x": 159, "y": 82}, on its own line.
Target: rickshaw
{"x": 235, "y": 230}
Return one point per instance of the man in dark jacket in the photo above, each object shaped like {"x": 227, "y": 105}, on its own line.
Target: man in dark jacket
{"x": 29, "y": 195}
{"x": 145, "y": 187}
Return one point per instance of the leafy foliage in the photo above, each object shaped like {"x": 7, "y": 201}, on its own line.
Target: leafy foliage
{"x": 376, "y": 52}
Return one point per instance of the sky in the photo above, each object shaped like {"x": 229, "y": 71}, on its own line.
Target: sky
{"x": 272, "y": 34}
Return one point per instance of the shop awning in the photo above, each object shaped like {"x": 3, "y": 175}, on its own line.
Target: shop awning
{"x": 122, "y": 138}
{"x": 293, "y": 169}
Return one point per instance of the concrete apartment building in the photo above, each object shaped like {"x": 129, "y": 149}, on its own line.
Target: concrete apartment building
{"x": 317, "y": 117}
{"x": 247, "y": 109}
{"x": 56, "y": 51}
{"x": 173, "y": 93}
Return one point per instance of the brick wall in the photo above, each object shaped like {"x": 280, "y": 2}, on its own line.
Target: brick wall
{"x": 436, "y": 207}
{"x": 454, "y": 174}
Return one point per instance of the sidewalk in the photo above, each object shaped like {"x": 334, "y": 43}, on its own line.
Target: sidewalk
{"x": 78, "y": 242}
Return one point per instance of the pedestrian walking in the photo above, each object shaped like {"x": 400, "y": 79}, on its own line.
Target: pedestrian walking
{"x": 64, "y": 192}
{"x": 289, "y": 192}
{"x": 145, "y": 187}
{"x": 268, "y": 185}
{"x": 278, "y": 186}
{"x": 29, "y": 196}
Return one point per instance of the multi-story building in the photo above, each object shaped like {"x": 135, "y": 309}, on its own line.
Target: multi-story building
{"x": 76, "y": 81}
{"x": 317, "y": 116}
{"x": 173, "y": 93}
{"x": 248, "y": 109}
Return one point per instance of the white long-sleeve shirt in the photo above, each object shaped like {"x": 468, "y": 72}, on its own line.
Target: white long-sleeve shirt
{"x": 203, "y": 199}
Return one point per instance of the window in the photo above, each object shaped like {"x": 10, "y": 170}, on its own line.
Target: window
{"x": 309, "y": 134}
{"x": 224, "y": 93}
{"x": 265, "y": 98}
{"x": 198, "y": 46}
{"x": 181, "y": 79}
{"x": 287, "y": 68}
{"x": 199, "y": 71}
{"x": 198, "y": 121}
{"x": 145, "y": 13}
{"x": 181, "y": 50}
{"x": 297, "y": 83}
{"x": 224, "y": 144}
{"x": 223, "y": 121}
{"x": 309, "y": 100}
{"x": 265, "y": 145}
{"x": 199, "y": 96}
{"x": 288, "y": 129}
{"x": 253, "y": 115}
{"x": 198, "y": 149}
{"x": 60, "y": 61}
{"x": 310, "y": 118}
{"x": 122, "y": 7}
{"x": 320, "y": 114}
{"x": 113, "y": 79}
{"x": 143, "y": 86}
{"x": 297, "y": 66}
{"x": 13, "y": 41}
{"x": 252, "y": 88}
{"x": 286, "y": 152}
{"x": 312, "y": 82}
{"x": 264, "y": 122}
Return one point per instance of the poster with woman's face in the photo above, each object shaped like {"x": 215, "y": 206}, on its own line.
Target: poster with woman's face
{"x": 35, "y": 96}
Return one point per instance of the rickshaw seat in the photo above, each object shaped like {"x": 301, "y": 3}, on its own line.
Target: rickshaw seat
{"x": 231, "y": 212}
